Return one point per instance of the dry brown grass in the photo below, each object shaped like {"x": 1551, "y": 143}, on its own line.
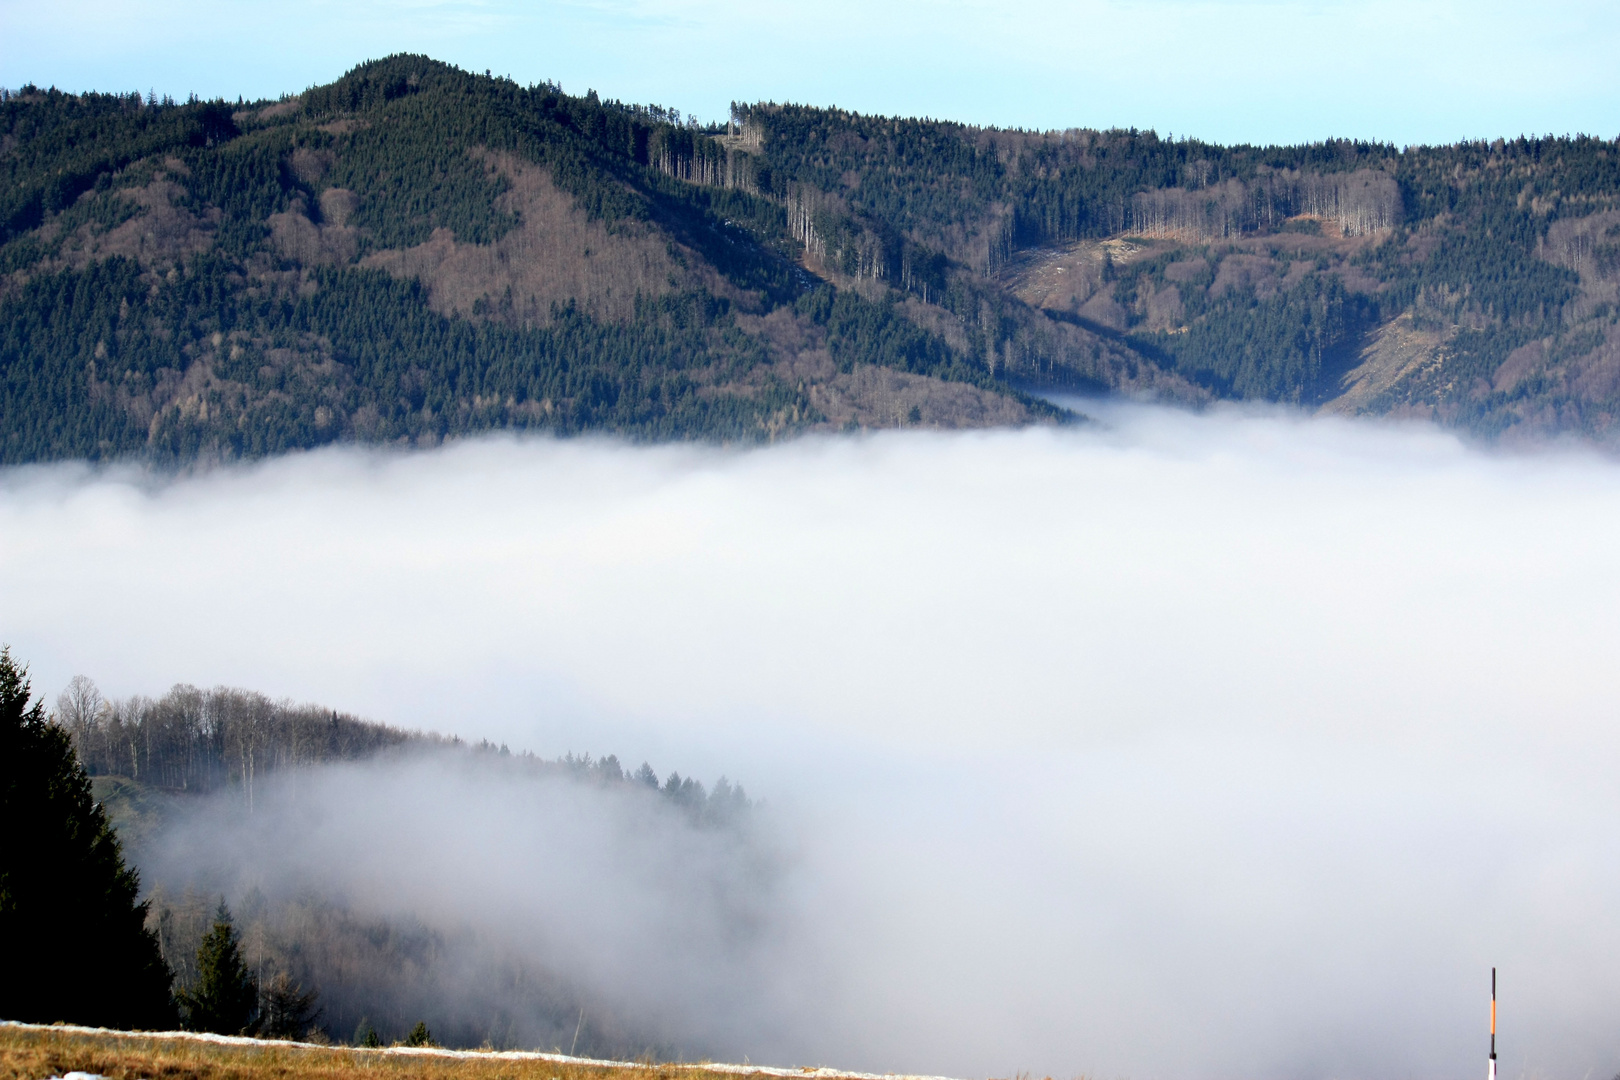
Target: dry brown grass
{"x": 34, "y": 1053}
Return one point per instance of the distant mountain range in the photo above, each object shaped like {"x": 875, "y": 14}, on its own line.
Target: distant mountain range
{"x": 415, "y": 252}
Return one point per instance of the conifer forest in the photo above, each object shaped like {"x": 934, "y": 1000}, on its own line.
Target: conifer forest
{"x": 416, "y": 252}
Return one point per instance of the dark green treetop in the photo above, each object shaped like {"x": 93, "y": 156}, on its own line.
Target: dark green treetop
{"x": 225, "y": 999}
{"x": 76, "y": 944}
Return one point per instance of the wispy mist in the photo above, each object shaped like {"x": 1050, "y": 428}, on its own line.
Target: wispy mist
{"x": 493, "y": 898}
{"x": 1235, "y": 745}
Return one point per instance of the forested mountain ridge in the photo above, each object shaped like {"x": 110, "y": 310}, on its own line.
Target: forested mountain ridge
{"x": 415, "y": 252}
{"x": 1477, "y": 284}
{"x": 411, "y": 253}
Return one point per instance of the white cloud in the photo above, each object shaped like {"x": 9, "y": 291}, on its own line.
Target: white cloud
{"x": 1170, "y": 745}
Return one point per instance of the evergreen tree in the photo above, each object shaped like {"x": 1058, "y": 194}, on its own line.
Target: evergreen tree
{"x": 225, "y": 999}
{"x": 75, "y": 944}
{"x": 420, "y": 1035}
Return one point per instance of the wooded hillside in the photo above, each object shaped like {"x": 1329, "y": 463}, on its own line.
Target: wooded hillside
{"x": 415, "y": 252}
{"x": 160, "y": 766}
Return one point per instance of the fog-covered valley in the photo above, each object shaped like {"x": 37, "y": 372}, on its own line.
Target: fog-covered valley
{"x": 1162, "y": 745}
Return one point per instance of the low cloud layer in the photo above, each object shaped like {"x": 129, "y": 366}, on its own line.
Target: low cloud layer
{"x": 499, "y": 899}
{"x": 1234, "y": 745}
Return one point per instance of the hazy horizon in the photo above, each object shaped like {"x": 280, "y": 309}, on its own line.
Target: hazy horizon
{"x": 1229, "y": 71}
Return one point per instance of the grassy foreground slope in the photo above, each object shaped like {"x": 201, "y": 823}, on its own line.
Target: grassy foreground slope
{"x": 29, "y": 1052}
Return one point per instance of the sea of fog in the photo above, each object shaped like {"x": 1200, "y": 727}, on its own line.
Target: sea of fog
{"x": 1234, "y": 745}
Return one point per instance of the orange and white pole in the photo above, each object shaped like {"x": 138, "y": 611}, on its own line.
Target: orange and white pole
{"x": 1491, "y": 1073}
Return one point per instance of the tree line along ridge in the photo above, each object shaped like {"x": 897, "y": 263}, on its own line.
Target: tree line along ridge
{"x": 415, "y": 252}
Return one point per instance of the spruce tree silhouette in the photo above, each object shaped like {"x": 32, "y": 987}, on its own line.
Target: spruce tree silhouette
{"x": 225, "y": 999}
{"x": 76, "y": 947}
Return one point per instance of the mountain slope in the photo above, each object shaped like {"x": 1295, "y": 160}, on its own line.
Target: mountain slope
{"x": 408, "y": 254}
{"x": 1262, "y": 273}
{"x": 415, "y": 252}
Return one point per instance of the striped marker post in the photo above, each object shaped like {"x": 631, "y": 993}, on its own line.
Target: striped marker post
{"x": 1491, "y": 1072}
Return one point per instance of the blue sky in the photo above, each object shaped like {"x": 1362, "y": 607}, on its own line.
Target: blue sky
{"x": 1228, "y": 70}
